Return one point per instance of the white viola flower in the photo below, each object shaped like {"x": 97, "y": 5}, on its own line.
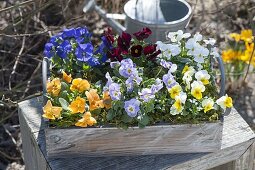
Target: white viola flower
{"x": 215, "y": 52}
{"x": 177, "y": 106}
{"x": 210, "y": 41}
{"x": 200, "y": 67}
{"x": 225, "y": 102}
{"x": 171, "y": 50}
{"x": 203, "y": 76}
{"x": 191, "y": 45}
{"x": 173, "y": 68}
{"x": 188, "y": 69}
{"x": 161, "y": 46}
{"x": 207, "y": 104}
{"x": 174, "y": 111}
{"x": 182, "y": 97}
{"x": 178, "y": 36}
{"x": 187, "y": 78}
{"x": 200, "y": 53}
{"x": 198, "y": 37}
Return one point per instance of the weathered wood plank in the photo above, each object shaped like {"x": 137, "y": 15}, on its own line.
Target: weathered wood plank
{"x": 118, "y": 142}
{"x": 235, "y": 132}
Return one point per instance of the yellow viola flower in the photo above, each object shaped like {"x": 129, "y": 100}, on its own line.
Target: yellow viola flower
{"x": 203, "y": 76}
{"x": 225, "y": 102}
{"x": 178, "y": 105}
{"x": 54, "y": 87}
{"x": 67, "y": 78}
{"x": 235, "y": 36}
{"x": 79, "y": 85}
{"x": 228, "y": 56}
{"x": 246, "y": 35}
{"x": 94, "y": 100}
{"x": 190, "y": 69}
{"x": 207, "y": 104}
{"x": 107, "y": 100}
{"x": 78, "y": 105}
{"x": 197, "y": 88}
{"x": 51, "y": 112}
{"x": 175, "y": 91}
{"x": 87, "y": 120}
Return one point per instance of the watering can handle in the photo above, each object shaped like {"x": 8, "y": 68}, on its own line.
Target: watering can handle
{"x": 222, "y": 76}
{"x": 45, "y": 75}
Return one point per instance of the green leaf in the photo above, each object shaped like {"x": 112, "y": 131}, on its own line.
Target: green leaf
{"x": 64, "y": 103}
{"x": 110, "y": 115}
{"x": 126, "y": 119}
{"x": 144, "y": 120}
{"x": 64, "y": 86}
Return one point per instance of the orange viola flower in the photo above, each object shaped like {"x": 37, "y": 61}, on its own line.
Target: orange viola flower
{"x": 78, "y": 105}
{"x": 54, "y": 87}
{"x": 86, "y": 120}
{"x": 67, "y": 78}
{"x": 51, "y": 112}
{"x": 94, "y": 100}
{"x": 107, "y": 100}
{"x": 80, "y": 85}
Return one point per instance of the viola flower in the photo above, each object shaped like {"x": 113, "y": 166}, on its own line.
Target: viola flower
{"x": 169, "y": 80}
{"x": 188, "y": 69}
{"x": 127, "y": 68}
{"x": 210, "y": 41}
{"x": 143, "y": 34}
{"x": 191, "y": 45}
{"x": 129, "y": 84}
{"x": 114, "y": 64}
{"x": 94, "y": 100}
{"x": 187, "y": 78}
{"x": 175, "y": 91}
{"x": 54, "y": 87}
{"x": 203, "y": 76}
{"x": 115, "y": 54}
{"x": 124, "y": 42}
{"x": 87, "y": 120}
{"x": 48, "y": 52}
{"x": 225, "y": 102}
{"x": 78, "y": 105}
{"x": 197, "y": 88}
{"x": 146, "y": 95}
{"x": 199, "y": 54}
{"x": 153, "y": 56}
{"x": 207, "y": 104}
{"x": 178, "y": 36}
{"x": 157, "y": 86}
{"x": 114, "y": 90}
{"x": 109, "y": 81}
{"x": 67, "y": 78}
{"x": 149, "y": 49}
{"x": 169, "y": 65}
{"x": 132, "y": 107}
{"x": 84, "y": 52}
{"x": 107, "y": 101}
{"x": 108, "y": 35}
{"x": 136, "y": 51}
{"x": 51, "y": 112}
{"x": 64, "y": 49}
{"x": 169, "y": 50}
{"x": 79, "y": 85}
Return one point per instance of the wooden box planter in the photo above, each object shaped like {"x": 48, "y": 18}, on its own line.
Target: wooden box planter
{"x": 167, "y": 139}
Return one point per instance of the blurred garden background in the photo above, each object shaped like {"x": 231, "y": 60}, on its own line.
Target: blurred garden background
{"x": 26, "y": 25}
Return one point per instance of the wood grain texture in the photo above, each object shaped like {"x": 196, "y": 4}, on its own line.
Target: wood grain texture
{"x": 237, "y": 138}
{"x": 246, "y": 161}
{"x": 166, "y": 139}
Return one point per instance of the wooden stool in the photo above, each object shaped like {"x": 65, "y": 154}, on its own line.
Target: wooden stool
{"x": 237, "y": 150}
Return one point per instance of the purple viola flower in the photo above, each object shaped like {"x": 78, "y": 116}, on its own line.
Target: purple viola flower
{"x": 63, "y": 49}
{"x": 136, "y": 78}
{"x": 157, "y": 86}
{"x": 146, "y": 94}
{"x": 129, "y": 84}
{"x": 169, "y": 80}
{"x": 127, "y": 68}
{"x": 48, "y": 50}
{"x": 114, "y": 90}
{"x": 132, "y": 107}
{"x": 84, "y": 52}
{"x": 165, "y": 64}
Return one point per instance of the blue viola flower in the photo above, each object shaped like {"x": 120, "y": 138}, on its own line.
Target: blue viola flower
{"x": 93, "y": 62}
{"x": 84, "y": 52}
{"x": 169, "y": 80}
{"x": 63, "y": 49}
{"x": 146, "y": 95}
{"x": 114, "y": 91}
{"x": 48, "y": 50}
{"x": 68, "y": 33}
{"x": 129, "y": 84}
{"x": 56, "y": 39}
{"x": 157, "y": 86}
{"x": 132, "y": 107}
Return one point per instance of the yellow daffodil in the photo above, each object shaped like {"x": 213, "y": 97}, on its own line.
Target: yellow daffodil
{"x": 78, "y": 105}
{"x": 54, "y": 87}
{"x": 203, "y": 76}
{"x": 51, "y": 112}
{"x": 79, "y": 85}
{"x": 94, "y": 100}
{"x": 207, "y": 104}
{"x": 235, "y": 36}
{"x": 87, "y": 120}
{"x": 175, "y": 91}
{"x": 228, "y": 55}
{"x": 246, "y": 35}
{"x": 107, "y": 100}
{"x": 197, "y": 88}
{"x": 67, "y": 78}
{"x": 225, "y": 102}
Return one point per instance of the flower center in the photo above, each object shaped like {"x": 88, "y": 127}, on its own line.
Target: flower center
{"x": 136, "y": 51}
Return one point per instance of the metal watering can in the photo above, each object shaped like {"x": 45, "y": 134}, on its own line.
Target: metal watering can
{"x": 161, "y": 16}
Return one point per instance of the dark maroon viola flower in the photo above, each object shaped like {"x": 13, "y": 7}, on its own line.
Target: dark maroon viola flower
{"x": 153, "y": 56}
{"x": 136, "y": 50}
{"x": 115, "y": 54}
{"x": 143, "y": 34}
{"x": 109, "y": 36}
{"x": 149, "y": 49}
{"x": 124, "y": 42}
